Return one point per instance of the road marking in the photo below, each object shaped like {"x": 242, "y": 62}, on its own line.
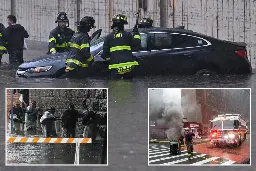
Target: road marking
{"x": 182, "y": 160}
{"x": 228, "y": 162}
{"x": 48, "y": 140}
{"x": 205, "y": 161}
{"x": 166, "y": 158}
{"x": 164, "y": 154}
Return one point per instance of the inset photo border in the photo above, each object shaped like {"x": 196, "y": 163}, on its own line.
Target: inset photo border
{"x": 56, "y": 126}
{"x": 199, "y": 126}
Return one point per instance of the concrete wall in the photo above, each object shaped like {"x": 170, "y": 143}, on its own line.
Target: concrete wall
{"x": 225, "y": 19}
{"x": 60, "y": 99}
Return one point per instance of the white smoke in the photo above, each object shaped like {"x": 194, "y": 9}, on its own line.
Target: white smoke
{"x": 167, "y": 112}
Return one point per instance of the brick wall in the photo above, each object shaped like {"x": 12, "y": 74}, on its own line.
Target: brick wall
{"x": 8, "y": 101}
{"x": 60, "y": 99}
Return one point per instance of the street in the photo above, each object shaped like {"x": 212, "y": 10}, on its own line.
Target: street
{"x": 159, "y": 154}
{"x": 21, "y": 153}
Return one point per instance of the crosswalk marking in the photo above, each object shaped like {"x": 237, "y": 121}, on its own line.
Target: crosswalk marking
{"x": 160, "y": 155}
{"x": 205, "y": 161}
{"x": 228, "y": 162}
{"x": 182, "y": 160}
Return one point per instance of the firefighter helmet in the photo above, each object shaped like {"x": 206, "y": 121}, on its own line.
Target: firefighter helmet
{"x": 87, "y": 22}
{"x": 119, "y": 19}
{"x": 62, "y": 17}
{"x": 146, "y": 22}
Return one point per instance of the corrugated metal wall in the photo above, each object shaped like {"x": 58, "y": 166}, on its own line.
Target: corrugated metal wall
{"x": 233, "y": 20}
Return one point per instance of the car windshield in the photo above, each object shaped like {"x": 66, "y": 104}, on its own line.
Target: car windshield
{"x": 97, "y": 41}
{"x": 227, "y": 124}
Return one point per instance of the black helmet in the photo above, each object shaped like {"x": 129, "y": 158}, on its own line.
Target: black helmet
{"x": 119, "y": 19}
{"x": 62, "y": 17}
{"x": 146, "y": 22}
{"x": 1, "y": 27}
{"x": 87, "y": 22}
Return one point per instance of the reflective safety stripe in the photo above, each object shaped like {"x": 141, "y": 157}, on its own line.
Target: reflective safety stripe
{"x": 90, "y": 59}
{"x": 1, "y": 35}
{"x": 77, "y": 62}
{"x": 52, "y": 39}
{"x": 63, "y": 45}
{"x": 107, "y": 59}
{"x": 70, "y": 68}
{"x": 127, "y": 64}
{"x": 137, "y": 36}
{"x": 74, "y": 45}
{"x": 2, "y": 48}
{"x": 84, "y": 45}
{"x": 120, "y": 48}
{"x": 52, "y": 49}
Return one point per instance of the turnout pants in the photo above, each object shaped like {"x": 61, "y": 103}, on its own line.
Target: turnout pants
{"x": 16, "y": 57}
{"x": 190, "y": 148}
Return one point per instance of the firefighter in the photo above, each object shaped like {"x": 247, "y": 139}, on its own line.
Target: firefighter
{"x": 146, "y": 23}
{"x": 2, "y": 45}
{"x": 79, "y": 56}
{"x": 59, "y": 39}
{"x": 188, "y": 140}
{"x": 118, "y": 47}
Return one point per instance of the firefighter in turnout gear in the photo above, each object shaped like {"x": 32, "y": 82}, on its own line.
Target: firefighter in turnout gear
{"x": 59, "y": 39}
{"x": 2, "y": 44}
{"x": 79, "y": 56}
{"x": 118, "y": 47}
{"x": 146, "y": 23}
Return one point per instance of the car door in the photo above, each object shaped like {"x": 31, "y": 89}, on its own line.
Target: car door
{"x": 161, "y": 59}
{"x": 186, "y": 50}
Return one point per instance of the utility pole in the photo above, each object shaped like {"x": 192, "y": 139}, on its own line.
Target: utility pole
{"x": 12, "y": 131}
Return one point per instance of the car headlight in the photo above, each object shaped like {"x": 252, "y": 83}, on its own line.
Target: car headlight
{"x": 41, "y": 69}
{"x": 231, "y": 135}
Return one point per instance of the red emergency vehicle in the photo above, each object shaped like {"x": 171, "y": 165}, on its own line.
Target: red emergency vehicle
{"x": 228, "y": 129}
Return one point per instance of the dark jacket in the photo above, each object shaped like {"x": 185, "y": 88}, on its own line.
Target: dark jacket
{"x": 189, "y": 137}
{"x": 2, "y": 44}
{"x": 14, "y": 36}
{"x": 19, "y": 113}
{"x": 118, "y": 47}
{"x": 69, "y": 118}
{"x": 80, "y": 50}
{"x": 94, "y": 118}
{"x": 60, "y": 40}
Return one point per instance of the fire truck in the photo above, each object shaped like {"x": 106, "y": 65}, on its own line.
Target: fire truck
{"x": 228, "y": 129}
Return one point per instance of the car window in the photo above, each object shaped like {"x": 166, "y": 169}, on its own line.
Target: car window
{"x": 184, "y": 41}
{"x": 161, "y": 41}
{"x": 144, "y": 41}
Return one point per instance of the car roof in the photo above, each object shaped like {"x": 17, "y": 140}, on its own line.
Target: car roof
{"x": 177, "y": 30}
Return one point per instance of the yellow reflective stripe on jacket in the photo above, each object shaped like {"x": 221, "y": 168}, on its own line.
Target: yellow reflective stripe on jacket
{"x": 136, "y": 36}
{"x": 126, "y": 64}
{"x": 82, "y": 46}
{"x": 52, "y": 49}
{"x": 2, "y": 48}
{"x": 77, "y": 62}
{"x": 70, "y": 68}
{"x": 61, "y": 45}
{"x": 1, "y": 35}
{"x": 107, "y": 59}
{"x": 120, "y": 48}
{"x": 90, "y": 59}
{"x": 52, "y": 39}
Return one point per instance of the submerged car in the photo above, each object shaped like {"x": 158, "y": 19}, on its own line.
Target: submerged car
{"x": 163, "y": 51}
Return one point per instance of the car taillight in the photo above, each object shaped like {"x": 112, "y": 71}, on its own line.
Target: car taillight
{"x": 241, "y": 53}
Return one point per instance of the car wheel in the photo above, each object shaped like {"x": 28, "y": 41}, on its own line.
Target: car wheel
{"x": 206, "y": 72}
